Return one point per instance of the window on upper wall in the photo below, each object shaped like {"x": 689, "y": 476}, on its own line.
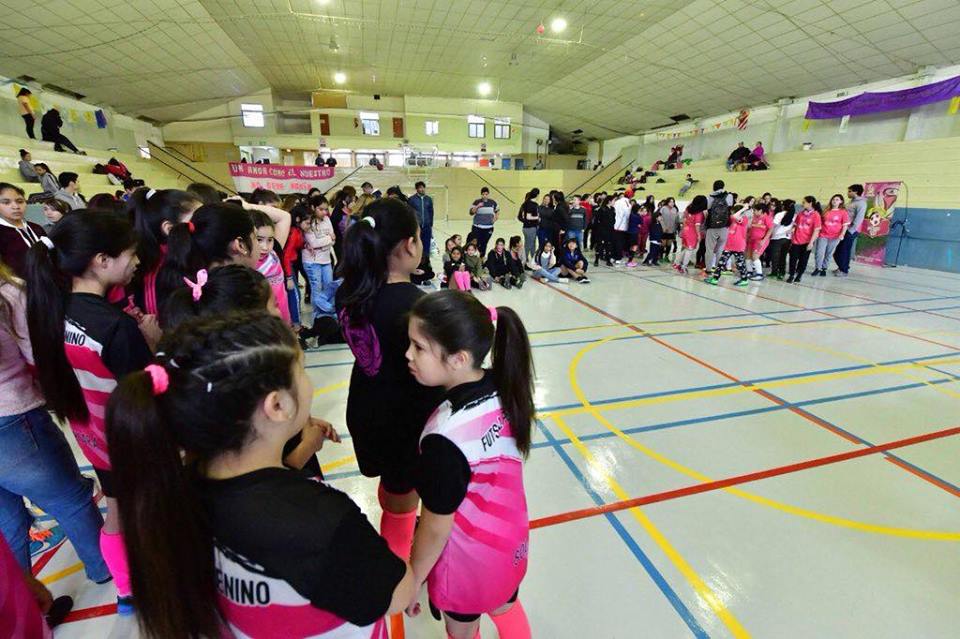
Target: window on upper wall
{"x": 432, "y": 127}
{"x": 252, "y": 115}
{"x": 476, "y": 126}
{"x": 501, "y": 128}
{"x": 370, "y": 122}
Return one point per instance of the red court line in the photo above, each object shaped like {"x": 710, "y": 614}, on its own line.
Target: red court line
{"x": 46, "y": 557}
{"x": 869, "y": 299}
{"x": 695, "y": 489}
{"x": 762, "y": 393}
{"x": 91, "y": 613}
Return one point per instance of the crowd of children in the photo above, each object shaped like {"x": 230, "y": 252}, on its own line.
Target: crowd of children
{"x": 164, "y": 335}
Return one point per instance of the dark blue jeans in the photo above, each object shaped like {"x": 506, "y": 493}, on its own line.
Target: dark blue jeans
{"x": 844, "y": 252}
{"x": 36, "y": 462}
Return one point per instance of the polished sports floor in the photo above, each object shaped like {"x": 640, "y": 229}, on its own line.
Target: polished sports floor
{"x": 773, "y": 461}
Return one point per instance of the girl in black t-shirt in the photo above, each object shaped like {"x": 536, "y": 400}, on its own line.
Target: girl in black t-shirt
{"x": 232, "y": 536}
{"x": 386, "y": 407}
{"x": 83, "y": 345}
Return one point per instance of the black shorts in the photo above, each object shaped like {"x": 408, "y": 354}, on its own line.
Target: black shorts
{"x": 669, "y": 236}
{"x": 466, "y": 618}
{"x": 105, "y": 477}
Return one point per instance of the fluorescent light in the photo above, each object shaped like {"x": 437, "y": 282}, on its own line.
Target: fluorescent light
{"x": 483, "y": 88}
{"x": 558, "y": 25}
{"x": 339, "y": 77}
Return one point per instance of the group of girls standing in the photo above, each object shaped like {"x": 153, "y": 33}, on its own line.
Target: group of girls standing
{"x": 186, "y": 390}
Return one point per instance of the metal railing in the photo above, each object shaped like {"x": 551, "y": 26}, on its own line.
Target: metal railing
{"x": 185, "y": 162}
{"x": 599, "y": 172}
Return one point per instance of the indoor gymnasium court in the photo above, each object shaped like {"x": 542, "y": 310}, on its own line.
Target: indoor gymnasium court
{"x": 720, "y": 447}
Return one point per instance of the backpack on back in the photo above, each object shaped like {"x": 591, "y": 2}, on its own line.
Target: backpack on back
{"x": 718, "y": 215}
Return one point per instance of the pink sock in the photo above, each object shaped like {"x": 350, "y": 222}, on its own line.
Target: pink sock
{"x": 513, "y": 623}
{"x": 115, "y": 556}
{"x": 397, "y": 530}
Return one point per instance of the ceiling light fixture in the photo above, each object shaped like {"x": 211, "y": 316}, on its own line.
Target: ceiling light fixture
{"x": 339, "y": 77}
{"x": 558, "y": 25}
{"x": 483, "y": 88}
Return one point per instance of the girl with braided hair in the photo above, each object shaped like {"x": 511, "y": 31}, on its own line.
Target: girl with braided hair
{"x": 232, "y": 537}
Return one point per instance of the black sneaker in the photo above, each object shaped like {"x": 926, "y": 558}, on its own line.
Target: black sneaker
{"x": 790, "y": 279}
{"x": 59, "y": 609}
{"x": 796, "y": 280}
{"x": 823, "y": 272}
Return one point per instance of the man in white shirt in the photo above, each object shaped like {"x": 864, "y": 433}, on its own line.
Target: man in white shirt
{"x": 621, "y": 210}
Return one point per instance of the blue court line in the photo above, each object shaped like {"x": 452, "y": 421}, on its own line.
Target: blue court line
{"x": 628, "y": 539}
{"x": 744, "y": 327}
{"x": 745, "y": 313}
{"x": 709, "y": 330}
{"x": 722, "y": 416}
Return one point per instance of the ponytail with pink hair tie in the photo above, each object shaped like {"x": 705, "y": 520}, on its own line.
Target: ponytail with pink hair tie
{"x": 158, "y": 378}
{"x": 197, "y": 287}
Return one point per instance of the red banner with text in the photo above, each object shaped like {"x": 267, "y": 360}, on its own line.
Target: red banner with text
{"x": 280, "y": 178}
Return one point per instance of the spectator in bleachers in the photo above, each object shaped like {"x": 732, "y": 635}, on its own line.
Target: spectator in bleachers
{"x": 50, "y": 125}
{"x": 26, "y": 111}
{"x": 69, "y": 185}
{"x": 687, "y": 183}
{"x": 738, "y": 156}
{"x": 757, "y": 161}
{"x": 674, "y": 159}
{"x": 48, "y": 181}
{"x": 26, "y": 167}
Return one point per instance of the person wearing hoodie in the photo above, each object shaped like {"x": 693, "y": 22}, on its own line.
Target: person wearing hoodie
{"x": 48, "y": 181}
{"x": 572, "y": 262}
{"x": 69, "y": 190}
{"x": 50, "y": 125}
{"x": 498, "y": 263}
{"x": 27, "y": 170}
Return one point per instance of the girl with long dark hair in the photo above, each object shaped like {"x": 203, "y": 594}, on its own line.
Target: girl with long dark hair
{"x": 155, "y": 213}
{"x": 83, "y": 345}
{"x": 225, "y": 533}
{"x": 472, "y": 543}
{"x": 806, "y": 230}
{"x": 529, "y": 216}
{"x": 386, "y": 407}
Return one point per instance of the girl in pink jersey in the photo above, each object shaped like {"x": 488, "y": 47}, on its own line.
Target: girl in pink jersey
{"x": 836, "y": 221}
{"x": 229, "y": 541}
{"x": 735, "y": 247}
{"x": 758, "y": 237}
{"x": 472, "y": 542}
{"x": 269, "y": 265}
{"x": 82, "y": 345}
{"x": 691, "y": 232}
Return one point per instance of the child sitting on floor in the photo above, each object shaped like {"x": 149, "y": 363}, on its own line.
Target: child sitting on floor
{"x": 479, "y": 275}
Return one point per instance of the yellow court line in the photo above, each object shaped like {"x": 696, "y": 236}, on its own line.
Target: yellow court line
{"x": 699, "y": 586}
{"x": 930, "y": 535}
{"x": 332, "y": 387}
{"x": 60, "y": 574}
{"x": 337, "y": 463}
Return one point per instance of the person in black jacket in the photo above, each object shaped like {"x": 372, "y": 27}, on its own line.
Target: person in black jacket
{"x": 572, "y": 262}
{"x": 516, "y": 261}
{"x": 498, "y": 264}
{"x": 604, "y": 220}
{"x": 50, "y": 126}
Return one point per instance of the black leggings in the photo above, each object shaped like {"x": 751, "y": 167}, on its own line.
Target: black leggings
{"x": 799, "y": 256}
{"x": 701, "y": 252}
{"x": 29, "y": 120}
{"x": 59, "y": 141}
{"x": 778, "y": 256}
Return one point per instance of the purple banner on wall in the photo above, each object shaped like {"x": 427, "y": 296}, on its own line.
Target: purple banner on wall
{"x": 885, "y": 101}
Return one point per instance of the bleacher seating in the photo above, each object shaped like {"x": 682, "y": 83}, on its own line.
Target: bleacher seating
{"x": 152, "y": 172}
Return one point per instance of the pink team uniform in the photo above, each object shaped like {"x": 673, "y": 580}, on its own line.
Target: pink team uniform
{"x": 485, "y": 558}
{"x": 804, "y": 224}
{"x": 689, "y": 235}
{"x": 271, "y": 268}
{"x": 833, "y": 222}
{"x": 759, "y": 227}
{"x": 737, "y": 234}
